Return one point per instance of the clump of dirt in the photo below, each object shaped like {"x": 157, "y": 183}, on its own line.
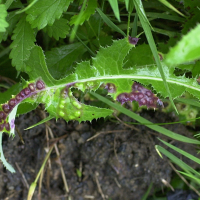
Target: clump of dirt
{"x": 120, "y": 162}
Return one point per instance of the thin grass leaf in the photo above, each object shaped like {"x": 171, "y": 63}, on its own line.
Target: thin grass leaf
{"x": 145, "y": 24}
{"x": 177, "y": 161}
{"x": 195, "y": 159}
{"x": 142, "y": 120}
{"x": 41, "y": 122}
{"x": 115, "y": 8}
{"x": 134, "y": 29}
{"x": 78, "y": 19}
{"x": 8, "y": 3}
{"x": 109, "y": 22}
{"x": 191, "y": 177}
{"x": 144, "y": 197}
{"x": 127, "y": 4}
{"x": 166, "y": 3}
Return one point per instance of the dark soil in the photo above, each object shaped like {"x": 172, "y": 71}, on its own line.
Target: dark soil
{"x": 118, "y": 164}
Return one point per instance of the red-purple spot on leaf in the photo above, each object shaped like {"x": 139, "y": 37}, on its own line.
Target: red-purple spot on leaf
{"x": 133, "y": 40}
{"x": 2, "y": 115}
{"x": 133, "y": 96}
{"x": 149, "y": 93}
{"x": 22, "y": 93}
{"x": 160, "y": 103}
{"x": 1, "y": 127}
{"x": 110, "y": 87}
{"x": 40, "y": 85}
{"x": 18, "y": 97}
{"x": 7, "y": 126}
{"x": 6, "y": 108}
{"x": 150, "y": 103}
{"x": 124, "y": 97}
{"x": 137, "y": 87}
{"x": 12, "y": 102}
{"x": 31, "y": 86}
{"x": 142, "y": 102}
{"x": 140, "y": 95}
{"x": 27, "y": 91}
{"x": 12, "y": 123}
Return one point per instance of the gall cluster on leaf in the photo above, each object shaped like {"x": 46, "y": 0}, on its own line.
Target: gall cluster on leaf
{"x": 7, "y": 107}
{"x": 142, "y": 95}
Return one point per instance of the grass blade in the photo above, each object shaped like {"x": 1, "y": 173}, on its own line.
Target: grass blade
{"x": 109, "y": 22}
{"x": 166, "y": 3}
{"x": 189, "y": 170}
{"x": 195, "y": 159}
{"x": 114, "y": 5}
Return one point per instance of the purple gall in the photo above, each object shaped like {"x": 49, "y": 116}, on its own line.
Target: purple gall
{"x": 133, "y": 96}
{"x": 133, "y": 40}
{"x": 12, "y": 102}
{"x": 18, "y": 97}
{"x": 40, "y": 85}
{"x": 22, "y": 93}
{"x": 27, "y": 91}
{"x": 149, "y": 93}
{"x": 12, "y": 123}
{"x": 31, "y": 87}
{"x": 124, "y": 97}
{"x": 6, "y": 108}
{"x": 7, "y": 126}
{"x": 2, "y": 115}
{"x": 110, "y": 87}
{"x": 1, "y": 127}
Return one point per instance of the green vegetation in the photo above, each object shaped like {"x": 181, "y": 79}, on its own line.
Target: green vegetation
{"x": 138, "y": 51}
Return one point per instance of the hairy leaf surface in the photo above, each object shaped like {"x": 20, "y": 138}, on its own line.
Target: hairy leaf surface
{"x": 45, "y": 12}
{"x": 3, "y": 14}
{"x": 59, "y": 29}
{"x": 23, "y": 41}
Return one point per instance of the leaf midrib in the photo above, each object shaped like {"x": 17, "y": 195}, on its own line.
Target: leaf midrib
{"x": 134, "y": 78}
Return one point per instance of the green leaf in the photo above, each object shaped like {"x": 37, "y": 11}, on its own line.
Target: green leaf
{"x": 45, "y": 12}
{"x": 26, "y": 107}
{"x": 59, "y": 29}
{"x": 3, "y": 14}
{"x": 115, "y": 8}
{"x": 85, "y": 15}
{"x": 139, "y": 56}
{"x": 61, "y": 60}
{"x": 186, "y": 50}
{"x": 12, "y": 19}
{"x": 36, "y": 66}
{"x": 7, "y": 95}
{"x": 23, "y": 41}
